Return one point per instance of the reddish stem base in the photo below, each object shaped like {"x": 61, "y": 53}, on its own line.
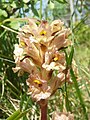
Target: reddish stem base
{"x": 43, "y": 112}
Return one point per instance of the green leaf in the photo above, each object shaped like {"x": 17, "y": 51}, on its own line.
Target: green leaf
{"x": 34, "y": 10}
{"x": 51, "y": 5}
{"x": 26, "y": 1}
{"x": 14, "y": 115}
{"x": 15, "y": 25}
{"x": 14, "y": 4}
{"x": 62, "y": 1}
{"x": 3, "y": 13}
{"x": 78, "y": 93}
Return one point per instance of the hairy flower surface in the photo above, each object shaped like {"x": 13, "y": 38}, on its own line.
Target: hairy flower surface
{"x": 62, "y": 116}
{"x": 39, "y": 53}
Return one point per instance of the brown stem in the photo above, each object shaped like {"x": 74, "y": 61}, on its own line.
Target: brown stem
{"x": 43, "y": 112}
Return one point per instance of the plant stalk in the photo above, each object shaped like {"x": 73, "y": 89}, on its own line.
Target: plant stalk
{"x": 43, "y": 112}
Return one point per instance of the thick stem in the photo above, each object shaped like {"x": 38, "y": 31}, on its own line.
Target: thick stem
{"x": 43, "y": 112}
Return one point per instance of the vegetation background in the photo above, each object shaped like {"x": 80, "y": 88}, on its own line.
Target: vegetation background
{"x": 15, "y": 104}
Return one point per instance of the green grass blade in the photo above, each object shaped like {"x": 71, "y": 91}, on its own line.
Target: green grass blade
{"x": 13, "y": 86}
{"x": 78, "y": 93}
{"x": 14, "y": 115}
{"x": 67, "y": 99}
{"x": 22, "y": 114}
{"x": 17, "y": 114}
{"x": 80, "y": 23}
{"x": 69, "y": 62}
{"x": 66, "y": 56}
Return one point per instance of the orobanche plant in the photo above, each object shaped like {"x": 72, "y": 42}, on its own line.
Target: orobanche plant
{"x": 40, "y": 53}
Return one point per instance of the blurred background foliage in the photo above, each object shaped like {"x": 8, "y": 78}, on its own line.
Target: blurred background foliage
{"x": 14, "y": 101}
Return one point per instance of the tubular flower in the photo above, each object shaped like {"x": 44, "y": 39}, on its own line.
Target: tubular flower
{"x": 38, "y": 53}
